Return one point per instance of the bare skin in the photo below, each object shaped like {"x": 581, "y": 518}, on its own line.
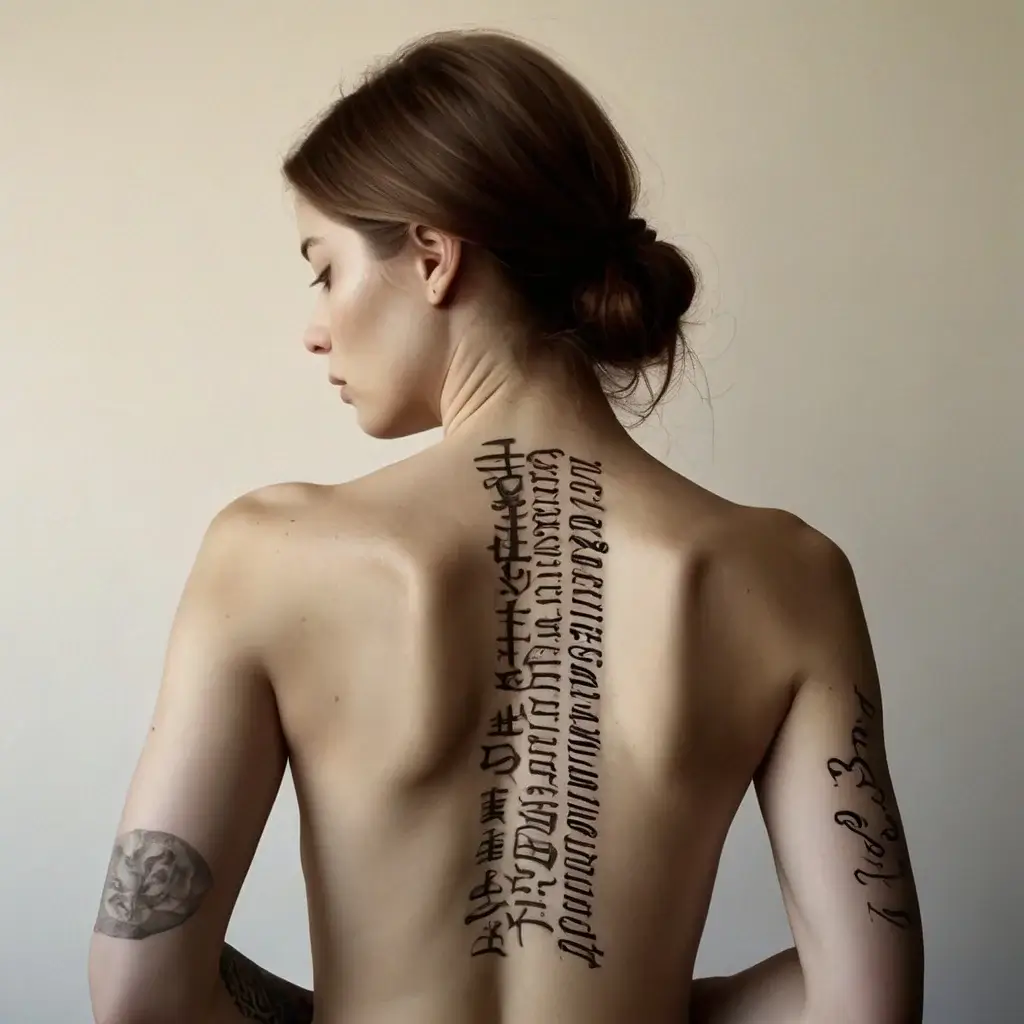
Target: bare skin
{"x": 523, "y": 681}
{"x": 386, "y": 691}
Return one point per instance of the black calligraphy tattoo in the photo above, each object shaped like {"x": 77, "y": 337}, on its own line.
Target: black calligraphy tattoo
{"x": 501, "y": 757}
{"x": 262, "y": 996}
{"x": 541, "y": 749}
{"x": 880, "y": 835}
{"x": 155, "y": 882}
{"x": 586, "y": 660}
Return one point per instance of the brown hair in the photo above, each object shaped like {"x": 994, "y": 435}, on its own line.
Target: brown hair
{"x": 482, "y": 136}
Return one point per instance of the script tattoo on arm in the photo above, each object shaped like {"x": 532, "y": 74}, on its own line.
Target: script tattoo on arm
{"x": 262, "y": 996}
{"x": 880, "y": 834}
{"x": 155, "y": 882}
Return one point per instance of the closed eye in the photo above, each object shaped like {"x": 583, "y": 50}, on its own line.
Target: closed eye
{"x": 324, "y": 279}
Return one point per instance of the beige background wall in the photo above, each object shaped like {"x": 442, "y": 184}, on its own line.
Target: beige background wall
{"x": 848, "y": 174}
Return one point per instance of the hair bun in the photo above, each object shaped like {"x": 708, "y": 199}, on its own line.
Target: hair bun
{"x": 636, "y": 234}
{"x": 630, "y": 315}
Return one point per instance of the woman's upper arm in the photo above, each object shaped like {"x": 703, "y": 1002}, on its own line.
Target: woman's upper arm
{"x": 199, "y": 798}
{"x": 836, "y": 833}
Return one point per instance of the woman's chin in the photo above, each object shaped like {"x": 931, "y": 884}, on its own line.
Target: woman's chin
{"x": 390, "y": 427}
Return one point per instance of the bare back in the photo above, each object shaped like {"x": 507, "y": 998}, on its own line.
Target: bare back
{"x": 525, "y": 687}
{"x": 524, "y": 678}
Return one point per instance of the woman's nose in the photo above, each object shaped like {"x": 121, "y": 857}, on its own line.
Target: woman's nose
{"x": 317, "y": 340}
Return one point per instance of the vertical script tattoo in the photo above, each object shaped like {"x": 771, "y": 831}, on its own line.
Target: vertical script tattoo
{"x": 262, "y": 996}
{"x": 881, "y": 834}
{"x": 155, "y": 882}
{"x": 586, "y": 634}
{"x": 541, "y": 748}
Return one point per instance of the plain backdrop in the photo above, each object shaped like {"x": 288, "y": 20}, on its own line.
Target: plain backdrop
{"x": 846, "y": 174}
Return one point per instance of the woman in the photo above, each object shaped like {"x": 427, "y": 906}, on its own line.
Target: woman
{"x": 524, "y": 678}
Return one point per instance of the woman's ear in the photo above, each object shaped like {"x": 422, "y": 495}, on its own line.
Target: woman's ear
{"x": 438, "y": 257}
